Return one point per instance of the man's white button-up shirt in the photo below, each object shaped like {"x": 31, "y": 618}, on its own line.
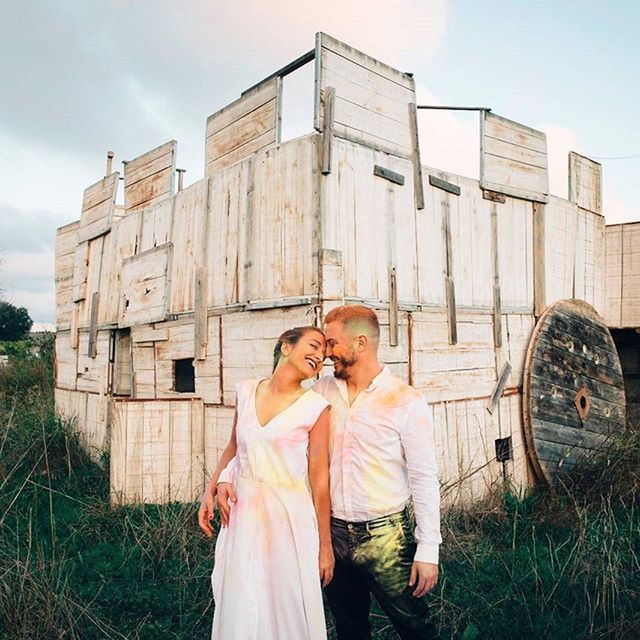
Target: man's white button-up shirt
{"x": 382, "y": 455}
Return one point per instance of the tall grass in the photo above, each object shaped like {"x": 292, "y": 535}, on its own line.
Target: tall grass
{"x": 561, "y": 564}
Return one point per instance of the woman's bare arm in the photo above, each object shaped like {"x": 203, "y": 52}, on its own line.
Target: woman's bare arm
{"x": 319, "y": 481}
{"x": 207, "y": 502}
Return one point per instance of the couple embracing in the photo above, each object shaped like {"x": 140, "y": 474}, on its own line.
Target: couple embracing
{"x": 336, "y": 487}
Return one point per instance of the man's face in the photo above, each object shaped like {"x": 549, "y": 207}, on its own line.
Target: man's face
{"x": 341, "y": 349}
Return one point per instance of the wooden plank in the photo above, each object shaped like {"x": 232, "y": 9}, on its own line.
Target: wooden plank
{"x": 327, "y": 133}
{"x": 365, "y": 61}
{"x": 97, "y": 207}
{"x": 513, "y": 159}
{"x": 418, "y": 187}
{"x": 449, "y": 187}
{"x": 238, "y": 109}
{"x": 499, "y": 388}
{"x": 118, "y": 453}
{"x": 585, "y": 182}
{"x": 387, "y": 174}
{"x": 93, "y": 325}
{"x": 495, "y": 254}
{"x": 260, "y": 143}
{"x": 149, "y": 177}
{"x": 144, "y": 286}
{"x": 393, "y": 307}
{"x": 200, "y": 318}
{"x": 80, "y": 270}
{"x": 254, "y": 124}
{"x": 539, "y": 261}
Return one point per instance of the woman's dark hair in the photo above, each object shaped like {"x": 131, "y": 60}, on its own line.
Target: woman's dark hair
{"x": 290, "y": 337}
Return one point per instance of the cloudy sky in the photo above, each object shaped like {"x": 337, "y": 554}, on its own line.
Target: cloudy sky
{"x": 79, "y": 78}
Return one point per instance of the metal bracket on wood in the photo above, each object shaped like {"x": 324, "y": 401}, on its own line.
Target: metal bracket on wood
{"x": 393, "y": 307}
{"x": 387, "y": 174}
{"x": 449, "y": 187}
{"x": 499, "y": 388}
{"x": 418, "y": 189}
{"x": 327, "y": 135}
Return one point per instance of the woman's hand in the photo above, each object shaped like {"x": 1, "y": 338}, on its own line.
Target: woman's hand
{"x": 226, "y": 494}
{"x": 327, "y": 562}
{"x": 205, "y": 513}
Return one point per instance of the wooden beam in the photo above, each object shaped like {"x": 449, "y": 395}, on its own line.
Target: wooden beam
{"x": 499, "y": 388}
{"x": 393, "y": 307}
{"x": 93, "y": 325}
{"x": 539, "y": 274}
{"x": 497, "y": 305}
{"x": 200, "y": 314}
{"x": 327, "y": 134}
{"x": 387, "y": 174}
{"x": 418, "y": 188}
{"x": 448, "y": 280}
{"x": 449, "y": 187}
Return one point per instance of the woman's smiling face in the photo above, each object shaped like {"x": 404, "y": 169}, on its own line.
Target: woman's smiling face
{"x": 308, "y": 354}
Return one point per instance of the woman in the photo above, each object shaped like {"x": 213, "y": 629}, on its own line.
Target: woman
{"x": 275, "y": 549}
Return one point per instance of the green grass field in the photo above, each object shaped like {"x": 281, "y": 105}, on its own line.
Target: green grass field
{"x": 556, "y": 565}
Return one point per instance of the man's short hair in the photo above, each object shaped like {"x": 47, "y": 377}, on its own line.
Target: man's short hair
{"x": 356, "y": 318}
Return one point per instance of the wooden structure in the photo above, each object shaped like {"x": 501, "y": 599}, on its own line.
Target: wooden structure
{"x": 163, "y": 304}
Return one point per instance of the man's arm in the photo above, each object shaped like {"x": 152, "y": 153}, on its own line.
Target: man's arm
{"x": 418, "y": 442}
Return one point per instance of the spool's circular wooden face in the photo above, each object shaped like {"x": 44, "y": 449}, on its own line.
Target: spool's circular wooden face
{"x": 573, "y": 388}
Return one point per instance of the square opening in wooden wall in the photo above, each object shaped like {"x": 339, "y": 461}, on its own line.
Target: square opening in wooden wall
{"x": 184, "y": 379}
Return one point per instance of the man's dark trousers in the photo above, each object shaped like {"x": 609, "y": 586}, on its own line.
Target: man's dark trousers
{"x": 375, "y": 557}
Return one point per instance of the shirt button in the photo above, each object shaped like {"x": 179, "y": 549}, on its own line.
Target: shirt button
{"x": 350, "y": 527}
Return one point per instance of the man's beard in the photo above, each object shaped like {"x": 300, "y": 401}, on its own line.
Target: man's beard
{"x": 343, "y": 372}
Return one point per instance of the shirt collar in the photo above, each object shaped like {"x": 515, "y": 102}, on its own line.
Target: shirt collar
{"x": 382, "y": 378}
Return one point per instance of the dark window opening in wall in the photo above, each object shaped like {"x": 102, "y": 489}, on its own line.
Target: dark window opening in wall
{"x": 120, "y": 362}
{"x": 503, "y": 449}
{"x": 184, "y": 378}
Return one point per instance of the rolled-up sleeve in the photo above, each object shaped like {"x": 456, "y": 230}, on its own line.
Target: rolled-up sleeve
{"x": 418, "y": 443}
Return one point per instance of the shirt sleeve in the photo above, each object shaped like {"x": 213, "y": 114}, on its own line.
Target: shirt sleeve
{"x": 228, "y": 473}
{"x": 418, "y": 443}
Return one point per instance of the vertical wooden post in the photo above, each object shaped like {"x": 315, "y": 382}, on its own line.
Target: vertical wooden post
{"x": 93, "y": 325}
{"x": 327, "y": 135}
{"x": 448, "y": 278}
{"x": 180, "y": 173}
{"x": 393, "y": 307}
{"x": 497, "y": 305}
{"x": 418, "y": 188}
{"x": 539, "y": 274}
{"x": 200, "y": 315}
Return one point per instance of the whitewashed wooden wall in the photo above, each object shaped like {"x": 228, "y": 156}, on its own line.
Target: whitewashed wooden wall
{"x": 277, "y": 234}
{"x": 622, "y": 308}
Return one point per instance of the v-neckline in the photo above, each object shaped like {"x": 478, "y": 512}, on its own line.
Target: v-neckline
{"x": 255, "y": 405}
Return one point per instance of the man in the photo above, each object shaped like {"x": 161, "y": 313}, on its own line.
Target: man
{"x": 382, "y": 461}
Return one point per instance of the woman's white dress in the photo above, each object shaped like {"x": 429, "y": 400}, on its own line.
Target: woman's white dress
{"x": 266, "y": 582}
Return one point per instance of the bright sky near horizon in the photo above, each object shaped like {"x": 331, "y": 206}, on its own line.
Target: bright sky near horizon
{"x": 80, "y": 78}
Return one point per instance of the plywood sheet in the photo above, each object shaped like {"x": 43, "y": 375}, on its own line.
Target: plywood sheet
{"x": 149, "y": 177}
{"x": 145, "y": 287}
{"x": 188, "y": 236}
{"x": 585, "y": 182}
{"x": 371, "y": 104}
{"x": 66, "y": 361}
{"x": 245, "y": 126}
{"x": 158, "y": 447}
{"x": 513, "y": 158}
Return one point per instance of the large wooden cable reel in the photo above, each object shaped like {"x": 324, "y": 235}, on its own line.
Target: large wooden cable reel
{"x": 574, "y": 398}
